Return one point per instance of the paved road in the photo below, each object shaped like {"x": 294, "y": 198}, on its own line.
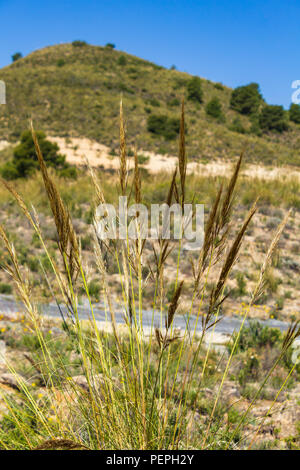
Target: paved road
{"x": 226, "y": 326}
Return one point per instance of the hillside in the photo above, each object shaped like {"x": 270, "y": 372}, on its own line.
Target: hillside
{"x": 75, "y": 91}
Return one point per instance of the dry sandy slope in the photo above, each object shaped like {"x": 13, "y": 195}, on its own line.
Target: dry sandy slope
{"x": 77, "y": 149}
{"x": 3, "y": 144}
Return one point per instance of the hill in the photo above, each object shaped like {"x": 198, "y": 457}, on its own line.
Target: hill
{"x": 73, "y": 90}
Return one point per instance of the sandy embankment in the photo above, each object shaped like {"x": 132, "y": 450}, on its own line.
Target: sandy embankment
{"x": 77, "y": 149}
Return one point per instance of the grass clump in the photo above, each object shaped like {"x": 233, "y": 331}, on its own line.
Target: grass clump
{"x": 122, "y": 388}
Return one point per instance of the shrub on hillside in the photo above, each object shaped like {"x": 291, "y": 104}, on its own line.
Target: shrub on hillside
{"x": 110, "y": 45}
{"x": 163, "y": 125}
{"x": 294, "y": 113}
{"x": 122, "y": 60}
{"x": 173, "y": 102}
{"x": 78, "y": 43}
{"x": 194, "y": 90}
{"x": 180, "y": 82}
{"x": 214, "y": 108}
{"x": 5, "y": 288}
{"x": 255, "y": 127}
{"x": 69, "y": 173}
{"x": 256, "y": 335}
{"x": 25, "y": 161}
{"x": 60, "y": 62}
{"x": 219, "y": 86}
{"x": 237, "y": 126}
{"x": 9, "y": 171}
{"x": 246, "y": 99}
{"x": 16, "y": 56}
{"x": 273, "y": 118}
{"x": 153, "y": 102}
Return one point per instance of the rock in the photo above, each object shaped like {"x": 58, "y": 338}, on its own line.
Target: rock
{"x": 230, "y": 391}
{"x": 11, "y": 380}
{"x": 98, "y": 382}
{"x": 81, "y": 381}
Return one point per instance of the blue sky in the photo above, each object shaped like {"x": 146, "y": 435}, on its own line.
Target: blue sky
{"x": 231, "y": 41}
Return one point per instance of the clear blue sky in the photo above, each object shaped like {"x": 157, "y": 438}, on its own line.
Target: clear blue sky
{"x": 231, "y": 41}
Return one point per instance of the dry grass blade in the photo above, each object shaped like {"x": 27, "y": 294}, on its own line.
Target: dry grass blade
{"x": 261, "y": 282}
{"x": 172, "y": 188}
{"x": 18, "y": 198}
{"x": 99, "y": 196}
{"x": 137, "y": 180}
{"x": 173, "y": 305}
{"x": 16, "y": 275}
{"x": 230, "y": 258}
{"x": 123, "y": 174}
{"x": 209, "y": 237}
{"x": 165, "y": 251}
{"x": 68, "y": 244}
{"x": 228, "y": 198}
{"x": 34, "y": 364}
{"x": 182, "y": 161}
{"x": 159, "y": 337}
{"x": 222, "y": 228}
{"x": 35, "y": 224}
{"x": 102, "y": 270}
{"x": 292, "y": 333}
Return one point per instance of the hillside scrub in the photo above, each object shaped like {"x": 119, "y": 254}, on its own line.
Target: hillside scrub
{"x": 77, "y": 77}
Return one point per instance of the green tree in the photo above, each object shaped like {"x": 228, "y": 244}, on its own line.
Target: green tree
{"x": 273, "y": 118}
{"x": 163, "y": 125}
{"x": 25, "y": 161}
{"x": 294, "y": 113}
{"x": 194, "y": 90}
{"x": 246, "y": 99}
{"x": 214, "y": 108}
{"x": 16, "y": 56}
